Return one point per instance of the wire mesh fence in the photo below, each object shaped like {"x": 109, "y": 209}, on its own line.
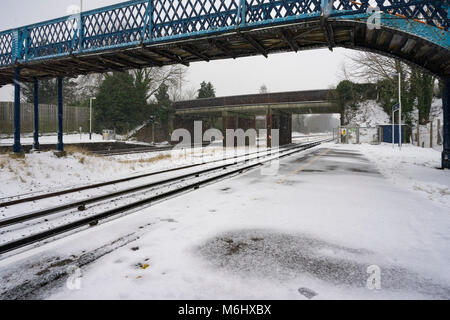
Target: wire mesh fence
{"x": 73, "y": 117}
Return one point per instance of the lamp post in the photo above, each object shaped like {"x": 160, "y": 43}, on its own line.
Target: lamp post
{"x": 394, "y": 109}
{"x": 90, "y": 117}
{"x": 398, "y": 107}
{"x": 152, "y": 120}
{"x": 400, "y": 110}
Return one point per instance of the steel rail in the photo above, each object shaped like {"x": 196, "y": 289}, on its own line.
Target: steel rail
{"x": 142, "y": 149}
{"x": 106, "y": 183}
{"x": 82, "y": 203}
{"x": 93, "y": 220}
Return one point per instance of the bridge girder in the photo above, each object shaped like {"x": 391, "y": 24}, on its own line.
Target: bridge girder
{"x": 235, "y": 28}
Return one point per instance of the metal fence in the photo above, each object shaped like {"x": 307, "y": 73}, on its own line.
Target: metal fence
{"x": 73, "y": 117}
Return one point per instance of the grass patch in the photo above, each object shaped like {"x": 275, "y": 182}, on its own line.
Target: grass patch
{"x": 148, "y": 160}
{"x": 20, "y": 155}
{"x": 75, "y": 149}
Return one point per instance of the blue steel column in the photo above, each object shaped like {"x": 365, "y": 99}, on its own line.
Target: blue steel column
{"x": 446, "y": 107}
{"x": 36, "y": 115}
{"x": 17, "y": 148}
{"x": 60, "y": 145}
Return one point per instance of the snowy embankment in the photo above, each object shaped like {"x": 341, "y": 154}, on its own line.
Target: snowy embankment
{"x": 368, "y": 114}
{"x": 367, "y": 117}
{"x": 412, "y": 168}
{"x": 44, "y": 171}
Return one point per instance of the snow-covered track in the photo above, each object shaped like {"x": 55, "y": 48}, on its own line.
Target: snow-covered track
{"x": 94, "y": 219}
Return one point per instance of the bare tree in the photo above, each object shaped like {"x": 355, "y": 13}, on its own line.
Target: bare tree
{"x": 372, "y": 67}
{"x": 153, "y": 78}
{"x": 263, "y": 89}
{"x": 190, "y": 94}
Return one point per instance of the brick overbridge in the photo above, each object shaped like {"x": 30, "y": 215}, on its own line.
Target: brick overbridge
{"x": 240, "y": 112}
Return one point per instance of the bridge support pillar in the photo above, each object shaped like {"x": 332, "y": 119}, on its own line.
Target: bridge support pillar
{"x": 229, "y": 121}
{"x": 171, "y": 128}
{"x": 285, "y": 128}
{"x": 237, "y": 121}
{"x": 276, "y": 119}
{"x": 17, "y": 147}
{"x": 446, "y": 108}
{"x": 269, "y": 125}
{"x": 36, "y": 115}
{"x": 60, "y": 145}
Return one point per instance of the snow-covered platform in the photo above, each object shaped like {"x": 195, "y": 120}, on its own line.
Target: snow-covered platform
{"x": 310, "y": 231}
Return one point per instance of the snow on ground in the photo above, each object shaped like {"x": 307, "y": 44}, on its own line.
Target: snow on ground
{"x": 44, "y": 171}
{"x": 315, "y": 226}
{"x": 411, "y": 168}
{"x": 257, "y": 237}
{"x": 53, "y": 139}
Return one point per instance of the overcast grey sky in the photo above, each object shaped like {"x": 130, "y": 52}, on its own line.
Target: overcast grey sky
{"x": 317, "y": 69}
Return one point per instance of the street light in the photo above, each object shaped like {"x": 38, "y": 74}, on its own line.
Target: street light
{"x": 152, "y": 120}
{"x": 90, "y": 117}
{"x": 400, "y": 109}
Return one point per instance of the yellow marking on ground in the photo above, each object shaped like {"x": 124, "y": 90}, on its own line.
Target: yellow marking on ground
{"x": 305, "y": 165}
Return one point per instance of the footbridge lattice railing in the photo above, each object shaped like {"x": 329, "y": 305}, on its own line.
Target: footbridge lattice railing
{"x": 152, "y": 21}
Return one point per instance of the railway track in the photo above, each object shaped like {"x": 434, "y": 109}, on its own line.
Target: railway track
{"x": 15, "y": 200}
{"x": 136, "y": 198}
{"x": 145, "y": 149}
{"x": 117, "y": 152}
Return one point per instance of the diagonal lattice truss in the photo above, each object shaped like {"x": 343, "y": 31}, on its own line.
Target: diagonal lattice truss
{"x": 148, "y": 21}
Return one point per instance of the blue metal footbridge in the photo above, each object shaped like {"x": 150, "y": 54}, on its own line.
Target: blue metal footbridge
{"x": 148, "y": 33}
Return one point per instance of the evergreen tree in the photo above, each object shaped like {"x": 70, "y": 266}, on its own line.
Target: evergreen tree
{"x": 206, "y": 90}
{"x": 164, "y": 107}
{"x": 48, "y": 92}
{"x": 120, "y": 103}
{"x": 422, "y": 87}
{"x": 163, "y": 104}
